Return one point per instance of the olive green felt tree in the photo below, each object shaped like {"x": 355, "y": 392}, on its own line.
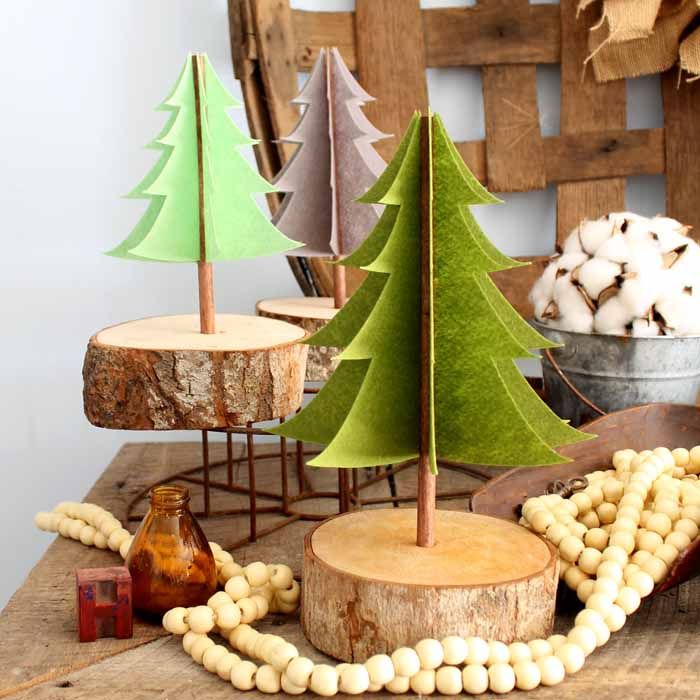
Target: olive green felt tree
{"x": 429, "y": 342}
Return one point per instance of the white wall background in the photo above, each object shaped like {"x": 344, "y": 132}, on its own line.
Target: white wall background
{"x": 79, "y": 81}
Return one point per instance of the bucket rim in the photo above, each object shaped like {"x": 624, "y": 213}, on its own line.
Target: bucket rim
{"x": 622, "y": 338}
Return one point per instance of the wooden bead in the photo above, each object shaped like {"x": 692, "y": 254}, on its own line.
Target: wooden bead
{"x": 324, "y": 680}
{"x": 539, "y": 648}
{"x": 648, "y": 540}
{"x": 589, "y": 560}
{"x": 678, "y": 539}
{"x": 660, "y": 523}
{"x": 595, "y": 622}
{"x": 114, "y": 541}
{"x": 631, "y": 570}
{"x": 656, "y": 567}
{"x": 448, "y": 680}
{"x": 199, "y": 647}
{"x": 268, "y": 679}
{"x": 681, "y": 456}
{"x": 75, "y": 528}
{"x": 236, "y": 636}
{"x": 623, "y": 524}
{"x": 600, "y": 602}
{"x": 289, "y": 687}
{"x": 527, "y": 675}
{"x": 219, "y": 599}
{"x": 640, "y": 557}
{"x": 299, "y": 671}
{"x": 606, "y": 586}
{"x": 501, "y": 678}
{"x": 423, "y": 683}
{"x": 381, "y": 670}
{"x": 200, "y": 619}
{"x": 109, "y": 526}
{"x": 551, "y": 670}
{"x": 430, "y": 653}
{"x": 174, "y": 621}
{"x": 261, "y": 604}
{"x": 407, "y": 663}
{"x": 498, "y": 653}
{"x": 692, "y": 512}
{"x": 628, "y": 599}
{"x": 125, "y": 546}
{"x": 596, "y": 537}
{"x": 612, "y": 490}
{"x": 249, "y": 610}
{"x": 188, "y": 639}
{"x": 595, "y": 493}
{"x": 475, "y": 679}
{"x": 616, "y": 618}
{"x": 584, "y": 637}
{"x": 354, "y": 679}
{"x": 243, "y": 675}
{"x": 541, "y": 520}
{"x": 574, "y": 576}
{"x": 237, "y": 588}
{"x": 606, "y": 513}
{"x": 668, "y": 507}
{"x": 282, "y": 654}
{"x": 629, "y": 512}
{"x": 610, "y": 569}
{"x": 578, "y": 530}
{"x": 212, "y": 656}
{"x": 229, "y": 570}
{"x": 556, "y": 641}
{"x": 256, "y": 574}
{"x": 633, "y": 500}
{"x": 624, "y": 540}
{"x": 570, "y": 548}
{"x": 100, "y": 540}
{"x": 225, "y": 664}
{"x": 642, "y": 582}
{"x": 228, "y": 615}
{"x": 87, "y": 535}
{"x": 282, "y": 576}
{"x": 556, "y": 533}
{"x": 477, "y": 651}
{"x": 519, "y": 651}
{"x": 289, "y": 595}
{"x": 585, "y": 589}
{"x": 571, "y": 656}
{"x": 454, "y": 650}
{"x": 686, "y": 526}
{"x": 399, "y": 685}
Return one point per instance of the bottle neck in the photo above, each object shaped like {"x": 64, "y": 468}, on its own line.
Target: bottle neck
{"x": 169, "y": 500}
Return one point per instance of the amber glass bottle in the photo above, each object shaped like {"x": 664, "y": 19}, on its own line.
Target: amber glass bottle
{"x": 170, "y": 561}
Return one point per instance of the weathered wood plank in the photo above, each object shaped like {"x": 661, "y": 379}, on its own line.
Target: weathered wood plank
{"x": 391, "y": 64}
{"x": 681, "y": 110}
{"x": 454, "y": 36}
{"x": 586, "y": 107}
{"x": 274, "y": 35}
{"x": 514, "y": 152}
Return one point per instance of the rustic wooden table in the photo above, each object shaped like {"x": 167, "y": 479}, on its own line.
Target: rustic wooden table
{"x": 656, "y": 655}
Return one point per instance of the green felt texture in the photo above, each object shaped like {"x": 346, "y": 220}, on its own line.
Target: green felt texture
{"x": 234, "y": 226}
{"x": 481, "y": 409}
{"x": 485, "y": 411}
{"x": 380, "y": 328}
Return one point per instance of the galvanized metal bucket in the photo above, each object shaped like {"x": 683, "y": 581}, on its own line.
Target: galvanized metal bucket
{"x": 615, "y": 372}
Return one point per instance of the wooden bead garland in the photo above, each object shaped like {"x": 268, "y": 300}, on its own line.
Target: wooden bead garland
{"x": 617, "y": 539}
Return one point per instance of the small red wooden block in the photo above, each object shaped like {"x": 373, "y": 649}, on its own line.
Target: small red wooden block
{"x": 104, "y": 603}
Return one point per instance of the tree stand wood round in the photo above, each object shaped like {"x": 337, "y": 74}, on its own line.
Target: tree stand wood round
{"x": 161, "y": 373}
{"x": 311, "y": 314}
{"x": 368, "y": 589}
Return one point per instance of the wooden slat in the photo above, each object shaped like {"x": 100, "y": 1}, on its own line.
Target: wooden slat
{"x": 682, "y": 118}
{"x": 454, "y": 36}
{"x": 586, "y": 107}
{"x": 316, "y": 30}
{"x": 514, "y": 153}
{"x": 391, "y": 64}
{"x": 274, "y": 34}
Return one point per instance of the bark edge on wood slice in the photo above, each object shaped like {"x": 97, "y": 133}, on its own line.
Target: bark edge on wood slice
{"x": 368, "y": 589}
{"x": 311, "y": 314}
{"x": 160, "y": 373}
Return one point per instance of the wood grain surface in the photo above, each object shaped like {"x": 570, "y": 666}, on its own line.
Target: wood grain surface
{"x": 655, "y": 655}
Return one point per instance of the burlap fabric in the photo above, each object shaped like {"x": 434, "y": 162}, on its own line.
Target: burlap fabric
{"x": 640, "y": 37}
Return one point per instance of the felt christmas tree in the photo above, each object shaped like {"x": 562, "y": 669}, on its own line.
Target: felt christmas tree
{"x": 333, "y": 165}
{"x": 429, "y": 342}
{"x": 200, "y": 192}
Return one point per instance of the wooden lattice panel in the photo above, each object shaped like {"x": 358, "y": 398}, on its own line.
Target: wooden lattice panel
{"x": 390, "y": 43}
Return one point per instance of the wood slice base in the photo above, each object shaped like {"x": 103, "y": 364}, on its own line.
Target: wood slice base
{"x": 368, "y": 589}
{"x": 161, "y": 373}
{"x": 312, "y": 314}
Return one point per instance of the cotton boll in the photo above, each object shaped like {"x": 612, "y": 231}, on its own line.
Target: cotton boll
{"x": 574, "y": 313}
{"x": 621, "y": 219}
{"x": 572, "y": 244}
{"x": 644, "y": 257}
{"x": 669, "y": 240}
{"x": 571, "y": 260}
{"x": 615, "y": 249}
{"x": 679, "y": 312}
{"x": 597, "y": 274}
{"x": 639, "y": 293}
{"x": 542, "y": 291}
{"x": 638, "y": 234}
{"x": 594, "y": 233}
{"x": 643, "y": 328}
{"x": 687, "y": 267}
{"x": 612, "y": 317}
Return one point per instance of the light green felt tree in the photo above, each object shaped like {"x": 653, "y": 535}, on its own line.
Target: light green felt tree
{"x": 481, "y": 410}
{"x": 201, "y": 207}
